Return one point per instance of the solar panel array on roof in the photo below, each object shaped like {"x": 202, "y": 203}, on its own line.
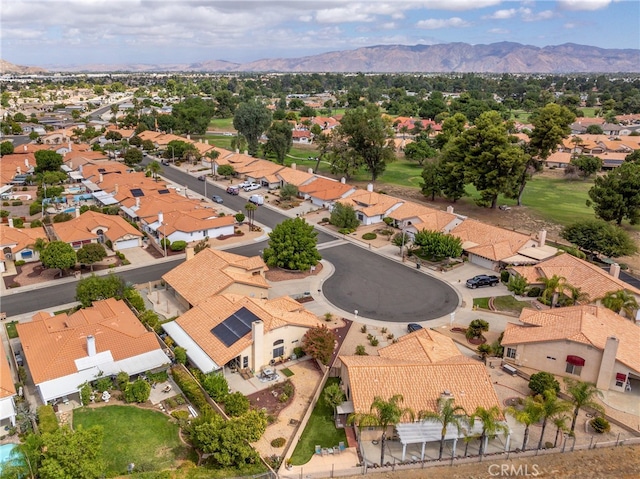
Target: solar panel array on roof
{"x": 137, "y": 192}
{"x": 235, "y": 326}
{"x": 163, "y": 192}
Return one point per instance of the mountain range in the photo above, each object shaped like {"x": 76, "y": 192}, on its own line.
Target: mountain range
{"x": 504, "y": 57}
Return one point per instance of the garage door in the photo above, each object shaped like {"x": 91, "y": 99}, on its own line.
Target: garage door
{"x": 120, "y": 245}
{"x": 480, "y": 261}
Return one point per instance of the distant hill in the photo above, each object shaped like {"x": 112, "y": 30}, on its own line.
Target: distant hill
{"x": 6, "y": 67}
{"x": 505, "y": 57}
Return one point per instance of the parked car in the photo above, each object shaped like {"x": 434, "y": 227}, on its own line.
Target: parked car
{"x": 244, "y": 184}
{"x": 252, "y": 187}
{"x": 411, "y": 327}
{"x": 482, "y": 280}
{"x": 202, "y": 178}
{"x": 217, "y": 199}
{"x": 233, "y": 190}
{"x": 257, "y": 200}
{"x": 165, "y": 162}
{"x": 19, "y": 360}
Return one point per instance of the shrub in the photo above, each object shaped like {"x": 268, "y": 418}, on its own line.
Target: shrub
{"x": 240, "y": 217}
{"x": 387, "y": 220}
{"x": 298, "y": 351}
{"x": 135, "y": 299}
{"x": 180, "y": 354}
{"x": 363, "y": 328}
{"x": 504, "y": 276}
{"x": 18, "y": 223}
{"x": 62, "y": 217}
{"x": 191, "y": 390}
{"x": 165, "y": 242}
{"x": 283, "y": 398}
{"x": 85, "y": 394}
{"x": 325, "y": 220}
{"x": 278, "y": 442}
{"x": 122, "y": 379}
{"x": 36, "y": 223}
{"x": 361, "y": 350}
{"x": 374, "y": 341}
{"x": 517, "y": 284}
{"x": 346, "y": 231}
{"x": 600, "y": 425}
{"x": 16, "y": 203}
{"x": 22, "y": 374}
{"x": 543, "y": 381}
{"x": 5, "y": 203}
{"x": 236, "y": 404}
{"x": 180, "y": 415}
{"x": 137, "y": 391}
{"x": 4, "y": 214}
{"x": 104, "y": 384}
{"x": 178, "y": 245}
{"x": 344, "y": 217}
{"x": 328, "y": 317}
{"x": 47, "y": 420}
{"x": 534, "y": 292}
{"x": 20, "y": 262}
{"x": 369, "y": 236}
{"x": 288, "y": 388}
{"x": 216, "y": 386}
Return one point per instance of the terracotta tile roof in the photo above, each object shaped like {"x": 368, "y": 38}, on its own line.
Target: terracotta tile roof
{"x": 7, "y": 388}
{"x": 586, "y": 324}
{"x": 194, "y": 220}
{"x": 325, "y": 189}
{"x": 212, "y": 271}
{"x": 51, "y": 344}
{"x": 14, "y": 163}
{"x": 90, "y": 171}
{"x": 149, "y": 135}
{"x": 591, "y": 279}
{"x": 423, "y": 345}
{"x": 563, "y": 157}
{"x": 151, "y": 205}
{"x": 419, "y": 384}
{"x": 409, "y": 210}
{"x": 20, "y": 238}
{"x": 489, "y": 241}
{"x": 294, "y": 177}
{"x": 86, "y": 225}
{"x": 370, "y": 203}
{"x": 434, "y": 220}
{"x": 202, "y": 318}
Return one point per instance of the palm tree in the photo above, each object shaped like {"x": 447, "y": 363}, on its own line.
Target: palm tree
{"x": 552, "y": 287}
{"x": 577, "y": 296}
{"x": 154, "y": 168}
{"x": 620, "y": 301}
{"x": 447, "y": 414}
{"x": 583, "y": 395}
{"x": 251, "y": 208}
{"x": 334, "y": 396}
{"x": 39, "y": 245}
{"x": 213, "y": 156}
{"x": 551, "y": 407}
{"x": 530, "y": 414}
{"x": 383, "y": 414}
{"x": 491, "y": 424}
{"x": 560, "y": 422}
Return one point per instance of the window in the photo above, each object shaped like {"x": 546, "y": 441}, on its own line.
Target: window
{"x": 245, "y": 362}
{"x": 278, "y": 348}
{"x": 511, "y": 353}
{"x": 573, "y": 369}
{"x": 551, "y": 357}
{"x": 621, "y": 379}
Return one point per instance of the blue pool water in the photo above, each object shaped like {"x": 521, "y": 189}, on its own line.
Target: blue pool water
{"x": 5, "y": 453}
{"x": 69, "y": 210}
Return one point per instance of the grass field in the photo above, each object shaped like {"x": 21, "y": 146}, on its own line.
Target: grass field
{"x": 502, "y": 303}
{"x": 146, "y": 438}
{"x": 319, "y": 430}
{"x": 12, "y": 332}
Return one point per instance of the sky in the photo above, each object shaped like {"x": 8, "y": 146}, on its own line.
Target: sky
{"x": 78, "y": 32}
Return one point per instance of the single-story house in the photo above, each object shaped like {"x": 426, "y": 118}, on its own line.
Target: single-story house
{"x": 65, "y": 351}
{"x": 301, "y": 137}
{"x": 240, "y": 332}
{"x": 189, "y": 226}
{"x": 413, "y": 217}
{"x": 589, "y": 343}
{"x": 94, "y": 227}
{"x": 212, "y": 272}
{"x": 17, "y": 243}
{"x": 371, "y": 207}
{"x": 7, "y": 390}
{"x": 324, "y": 191}
{"x": 294, "y": 176}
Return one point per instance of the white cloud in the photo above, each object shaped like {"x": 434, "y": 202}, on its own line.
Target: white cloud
{"x": 499, "y": 31}
{"x": 570, "y": 25}
{"x": 529, "y": 16}
{"x": 583, "y": 4}
{"x": 460, "y": 5}
{"x": 435, "y": 23}
{"x": 502, "y": 14}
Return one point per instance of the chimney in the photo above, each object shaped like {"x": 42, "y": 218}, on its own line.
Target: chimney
{"x": 80, "y": 169}
{"x": 607, "y": 364}
{"x": 188, "y": 137}
{"x": 237, "y": 150}
{"x": 26, "y": 163}
{"x": 160, "y": 218}
{"x": 370, "y": 188}
{"x": 206, "y": 141}
{"x": 138, "y": 202}
{"x": 10, "y": 222}
{"x": 293, "y": 166}
{"x": 614, "y": 270}
{"x": 69, "y": 145}
{"x": 200, "y": 140}
{"x": 77, "y": 211}
{"x": 70, "y": 163}
{"x": 542, "y": 238}
{"x": 24, "y": 148}
{"x": 343, "y": 180}
{"x": 257, "y": 346}
{"x": 91, "y": 345}
{"x": 450, "y": 209}
{"x": 117, "y": 188}
{"x": 101, "y": 178}
{"x": 18, "y": 170}
{"x": 245, "y": 152}
{"x": 190, "y": 253}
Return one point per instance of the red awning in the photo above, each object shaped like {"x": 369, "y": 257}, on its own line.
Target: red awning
{"x": 575, "y": 360}
{"x": 621, "y": 377}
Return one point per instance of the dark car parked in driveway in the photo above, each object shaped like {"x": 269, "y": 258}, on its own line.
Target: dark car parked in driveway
{"x": 411, "y": 327}
{"x": 482, "y": 280}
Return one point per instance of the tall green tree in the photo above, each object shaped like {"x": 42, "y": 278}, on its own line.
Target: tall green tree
{"x": 252, "y": 119}
{"x": 132, "y": 157}
{"x": 58, "y": 255}
{"x": 616, "y": 196}
{"x": 550, "y": 408}
{"x": 192, "y": 115}
{"x": 432, "y": 180}
{"x": 420, "y": 151}
{"x": 250, "y": 208}
{"x": 47, "y": 160}
{"x": 383, "y": 414}
{"x": 91, "y": 253}
{"x": 155, "y": 169}
{"x": 334, "y": 396}
{"x": 344, "y": 216}
{"x": 529, "y": 414}
{"x": 583, "y": 395}
{"x": 279, "y": 140}
{"x": 293, "y": 246}
{"x": 447, "y": 415}
{"x": 599, "y": 237}
{"x": 319, "y": 343}
{"x": 96, "y": 288}
{"x": 369, "y": 137}
{"x": 6, "y": 148}
{"x": 72, "y": 454}
{"x": 213, "y": 155}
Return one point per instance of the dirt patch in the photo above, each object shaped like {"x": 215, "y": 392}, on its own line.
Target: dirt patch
{"x": 280, "y": 274}
{"x": 269, "y": 400}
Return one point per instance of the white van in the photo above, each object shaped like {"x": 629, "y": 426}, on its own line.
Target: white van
{"x": 257, "y": 200}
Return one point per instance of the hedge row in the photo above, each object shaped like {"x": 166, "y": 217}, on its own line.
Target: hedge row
{"x": 191, "y": 390}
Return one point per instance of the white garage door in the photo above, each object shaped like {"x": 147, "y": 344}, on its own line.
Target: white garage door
{"x": 480, "y": 261}
{"x": 120, "y": 245}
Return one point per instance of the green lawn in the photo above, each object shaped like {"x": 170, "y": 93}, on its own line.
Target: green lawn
{"x": 502, "y": 303}
{"x": 221, "y": 124}
{"x": 319, "y": 430}
{"x": 146, "y": 438}
{"x": 12, "y": 332}
{"x": 481, "y": 303}
{"x": 287, "y": 372}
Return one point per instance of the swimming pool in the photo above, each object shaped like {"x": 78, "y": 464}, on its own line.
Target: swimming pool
{"x": 7, "y": 454}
